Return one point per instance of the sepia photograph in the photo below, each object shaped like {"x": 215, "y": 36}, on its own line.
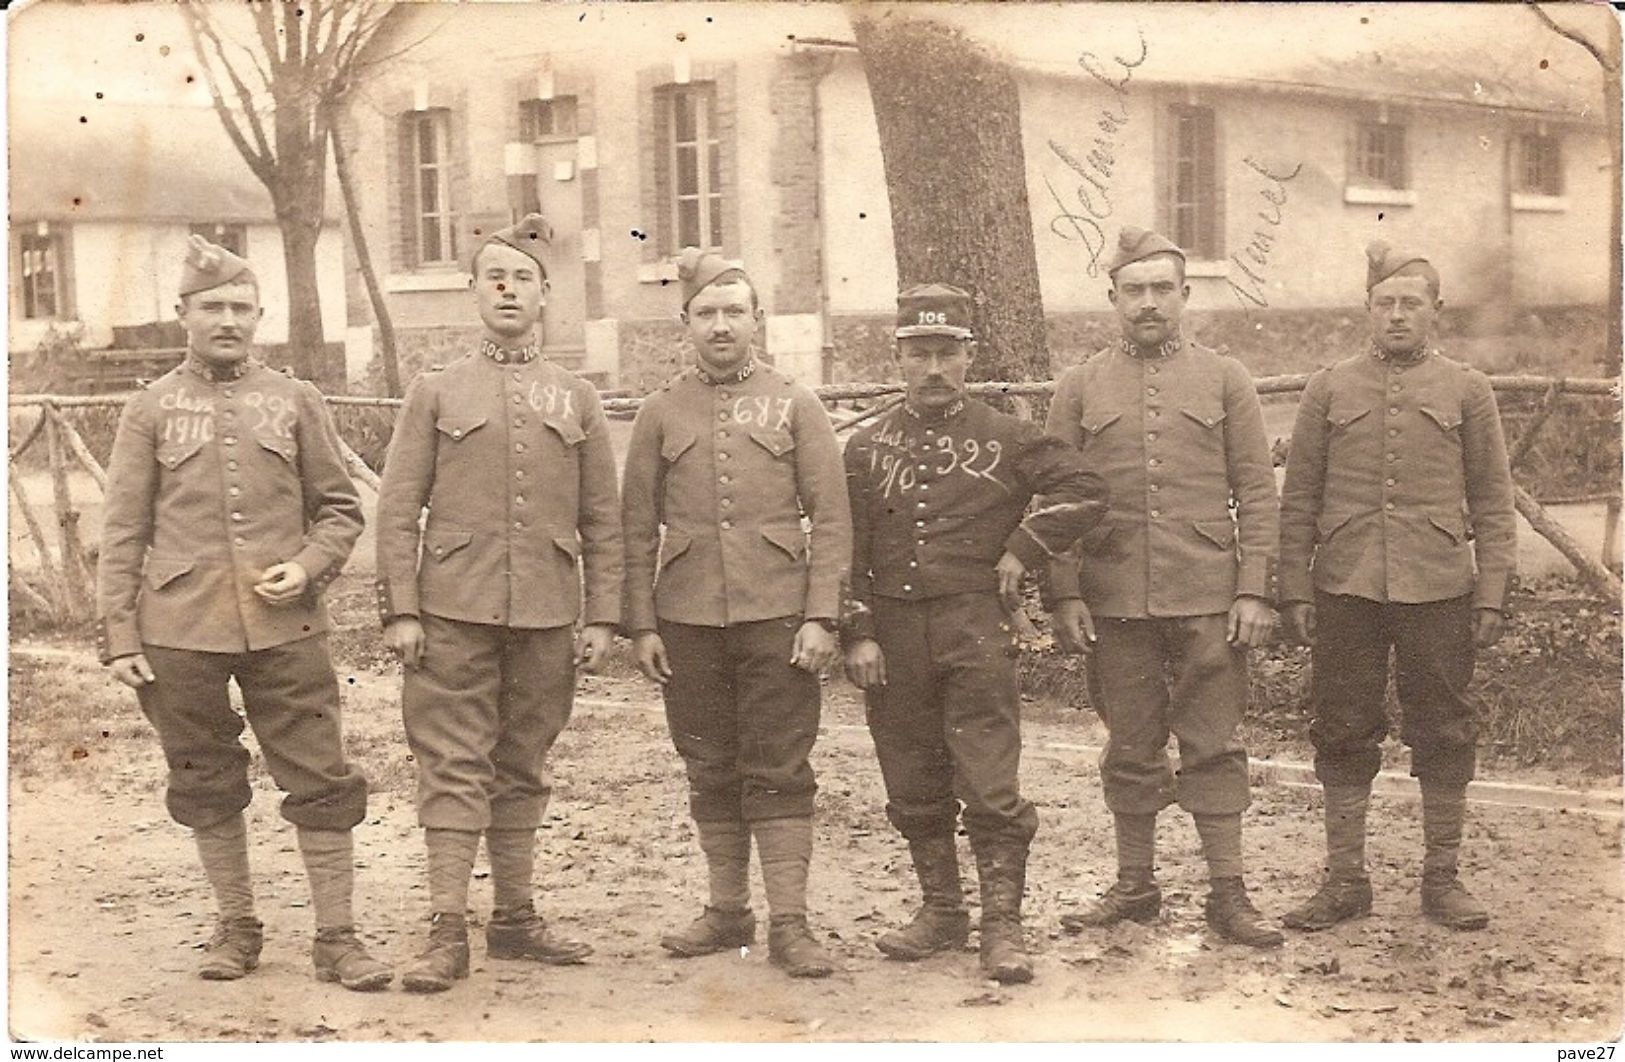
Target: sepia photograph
{"x": 814, "y": 523}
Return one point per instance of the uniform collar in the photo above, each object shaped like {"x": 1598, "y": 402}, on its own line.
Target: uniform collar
{"x": 740, "y": 375}
{"x": 1167, "y": 349}
{"x": 200, "y": 367}
{"x": 1401, "y": 359}
{"x": 951, "y": 411}
{"x": 503, "y": 355}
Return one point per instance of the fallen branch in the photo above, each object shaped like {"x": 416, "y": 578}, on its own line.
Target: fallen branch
{"x": 33, "y": 433}
{"x": 42, "y": 546}
{"x": 1526, "y": 441}
{"x": 1596, "y": 575}
{"x": 76, "y": 444}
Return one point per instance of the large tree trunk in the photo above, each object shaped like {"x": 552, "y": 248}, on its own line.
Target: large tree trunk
{"x": 949, "y": 117}
{"x": 307, "y": 345}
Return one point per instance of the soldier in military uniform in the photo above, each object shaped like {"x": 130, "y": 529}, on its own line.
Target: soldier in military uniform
{"x": 727, "y": 458}
{"x": 1397, "y": 532}
{"x": 511, "y": 455}
{"x": 1172, "y": 589}
{"x": 938, "y": 490}
{"x": 228, "y": 511}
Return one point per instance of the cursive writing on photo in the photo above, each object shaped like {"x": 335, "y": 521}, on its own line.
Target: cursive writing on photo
{"x": 1253, "y": 260}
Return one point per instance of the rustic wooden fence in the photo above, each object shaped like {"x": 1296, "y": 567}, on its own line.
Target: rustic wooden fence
{"x": 62, "y": 590}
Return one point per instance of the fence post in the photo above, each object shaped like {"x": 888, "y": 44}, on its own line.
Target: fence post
{"x": 76, "y": 575}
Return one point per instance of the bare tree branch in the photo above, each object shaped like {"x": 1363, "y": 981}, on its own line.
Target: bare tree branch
{"x": 1597, "y": 53}
{"x": 258, "y": 155}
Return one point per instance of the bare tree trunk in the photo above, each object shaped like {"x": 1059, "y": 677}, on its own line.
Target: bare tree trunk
{"x": 949, "y": 117}
{"x": 307, "y": 343}
{"x": 358, "y": 239}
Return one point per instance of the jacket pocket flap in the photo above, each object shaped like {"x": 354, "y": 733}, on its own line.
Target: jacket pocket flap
{"x": 1094, "y": 424}
{"x": 674, "y": 544}
{"x": 1208, "y": 418}
{"x": 790, "y": 539}
{"x": 1449, "y": 420}
{"x": 173, "y": 455}
{"x": 457, "y": 427}
{"x": 161, "y": 572}
{"x": 442, "y": 544}
{"x": 283, "y": 448}
{"x": 1327, "y": 526}
{"x": 1454, "y": 526}
{"x": 567, "y": 429}
{"x": 675, "y": 445}
{"x": 777, "y": 443}
{"x": 1342, "y": 418}
{"x": 1221, "y": 533}
{"x": 568, "y": 544}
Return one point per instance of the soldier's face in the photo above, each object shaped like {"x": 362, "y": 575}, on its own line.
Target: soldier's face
{"x": 934, "y": 369}
{"x": 1403, "y": 311}
{"x": 721, "y": 320}
{"x": 508, "y": 287}
{"x": 220, "y": 321}
{"x": 1149, "y": 297}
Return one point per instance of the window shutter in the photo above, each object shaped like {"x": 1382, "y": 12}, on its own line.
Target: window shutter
{"x": 665, "y": 229}
{"x": 1207, "y": 183}
{"x": 406, "y": 180}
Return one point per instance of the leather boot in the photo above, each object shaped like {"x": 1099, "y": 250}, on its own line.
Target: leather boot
{"x": 444, "y": 960}
{"x": 233, "y": 951}
{"x": 1338, "y": 900}
{"x": 339, "y": 956}
{"x": 1002, "y": 874}
{"x": 1233, "y": 916}
{"x": 1130, "y": 899}
{"x": 1445, "y": 899}
{"x": 715, "y": 930}
{"x": 941, "y": 924}
{"x": 520, "y": 933}
{"x": 792, "y": 947}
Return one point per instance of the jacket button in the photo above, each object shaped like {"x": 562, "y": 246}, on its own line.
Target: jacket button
{"x": 919, "y": 523}
{"x": 727, "y": 525}
{"x": 1156, "y": 514}
{"x": 1389, "y": 506}
{"x": 1393, "y": 411}
{"x": 457, "y": 433}
{"x": 1154, "y": 488}
{"x": 723, "y": 456}
{"x": 519, "y": 448}
{"x": 727, "y": 503}
{"x": 907, "y": 588}
{"x": 1151, "y": 391}
{"x": 230, "y": 440}
{"x": 438, "y": 550}
{"x": 1391, "y": 481}
{"x": 240, "y": 540}
{"x": 237, "y": 517}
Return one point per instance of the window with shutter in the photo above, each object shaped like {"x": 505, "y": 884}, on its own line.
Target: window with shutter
{"x": 1379, "y": 155}
{"x": 1193, "y": 186}
{"x": 689, "y": 167}
{"x": 39, "y": 267}
{"x": 427, "y": 215}
{"x": 1538, "y": 165}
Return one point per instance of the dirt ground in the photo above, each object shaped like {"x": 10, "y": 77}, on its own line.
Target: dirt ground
{"x": 108, "y": 908}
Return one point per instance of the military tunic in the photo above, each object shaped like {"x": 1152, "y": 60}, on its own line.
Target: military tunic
{"x": 218, "y": 473}
{"x": 719, "y": 475}
{"x": 1396, "y": 521}
{"x": 1178, "y": 435}
{"x": 512, "y": 458}
{"x": 936, "y": 501}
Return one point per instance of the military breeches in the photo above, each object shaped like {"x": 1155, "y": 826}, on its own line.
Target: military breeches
{"x": 743, "y": 719}
{"x": 1152, "y": 677}
{"x": 482, "y": 712}
{"x": 1433, "y": 651}
{"x": 290, "y": 698}
{"x": 947, "y": 724}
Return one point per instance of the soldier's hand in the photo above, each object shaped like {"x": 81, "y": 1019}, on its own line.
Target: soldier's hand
{"x": 404, "y": 636}
{"x": 866, "y": 664}
{"x": 1300, "y": 622}
{"x": 1488, "y": 623}
{"x": 282, "y": 584}
{"x": 593, "y": 643}
{"x": 814, "y": 648}
{"x": 1251, "y": 620}
{"x": 650, "y": 653}
{"x": 1010, "y": 571}
{"x": 1074, "y": 626}
{"x": 133, "y": 670}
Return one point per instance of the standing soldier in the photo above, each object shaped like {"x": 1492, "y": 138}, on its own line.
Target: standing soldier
{"x": 511, "y": 455}
{"x": 939, "y": 489}
{"x": 728, "y": 457}
{"x": 229, "y": 510}
{"x": 1396, "y": 484}
{"x": 1173, "y": 589}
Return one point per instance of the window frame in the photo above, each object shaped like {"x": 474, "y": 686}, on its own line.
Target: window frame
{"x": 1547, "y": 144}
{"x": 441, "y": 223}
{"x": 529, "y": 119}
{"x": 1392, "y": 154}
{"x": 27, "y": 294}
{"x": 707, "y": 194}
{"x": 1205, "y": 204}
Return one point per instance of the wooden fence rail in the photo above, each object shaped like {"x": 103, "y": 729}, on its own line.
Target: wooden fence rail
{"x": 64, "y": 586}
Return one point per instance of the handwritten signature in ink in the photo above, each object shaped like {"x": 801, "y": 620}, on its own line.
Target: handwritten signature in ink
{"x": 1262, "y": 242}
{"x": 1093, "y": 193}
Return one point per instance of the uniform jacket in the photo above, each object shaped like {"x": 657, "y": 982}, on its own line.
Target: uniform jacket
{"x": 210, "y": 483}
{"x": 936, "y": 503}
{"x": 515, "y": 465}
{"x": 728, "y": 470}
{"x": 1179, "y": 438}
{"x": 1393, "y": 469}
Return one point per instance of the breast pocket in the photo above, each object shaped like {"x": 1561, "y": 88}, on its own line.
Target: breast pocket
{"x": 1447, "y": 421}
{"x": 174, "y": 455}
{"x": 778, "y": 443}
{"x": 1093, "y": 423}
{"x": 675, "y": 446}
{"x": 456, "y": 429}
{"x": 568, "y": 431}
{"x": 1340, "y": 418}
{"x": 287, "y": 449}
{"x": 1208, "y": 417}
